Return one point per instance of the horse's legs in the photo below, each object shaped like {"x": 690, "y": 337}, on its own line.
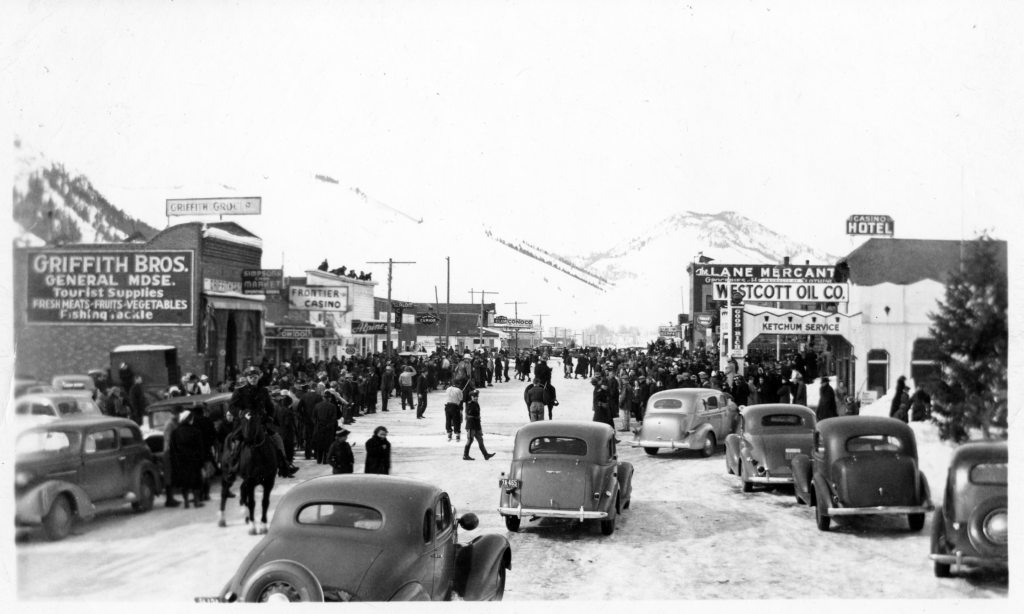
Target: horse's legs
{"x": 268, "y": 486}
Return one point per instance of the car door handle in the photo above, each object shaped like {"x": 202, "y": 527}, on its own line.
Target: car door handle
{"x": 437, "y": 556}
{"x": 121, "y": 458}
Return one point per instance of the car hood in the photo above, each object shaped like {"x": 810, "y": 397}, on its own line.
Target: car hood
{"x": 337, "y": 565}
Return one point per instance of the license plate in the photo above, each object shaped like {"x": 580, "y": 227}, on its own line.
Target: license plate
{"x": 509, "y": 483}
{"x": 791, "y": 452}
{"x": 207, "y": 599}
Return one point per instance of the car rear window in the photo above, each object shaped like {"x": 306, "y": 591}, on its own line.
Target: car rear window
{"x": 989, "y": 473}
{"x": 48, "y": 442}
{"x": 558, "y": 445}
{"x": 341, "y": 515}
{"x": 782, "y": 420}
{"x": 874, "y": 443}
{"x": 668, "y": 404}
{"x": 159, "y": 419}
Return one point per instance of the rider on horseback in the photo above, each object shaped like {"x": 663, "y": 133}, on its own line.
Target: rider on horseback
{"x": 254, "y": 398}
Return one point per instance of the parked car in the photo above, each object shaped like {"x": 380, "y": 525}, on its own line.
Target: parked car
{"x": 160, "y": 413}
{"x": 28, "y": 384}
{"x": 42, "y": 407}
{"x": 565, "y": 469}
{"x": 767, "y": 438}
{"x": 73, "y": 468}
{"x": 369, "y": 538}
{"x": 79, "y": 385}
{"x": 687, "y": 419}
{"x": 970, "y": 527}
{"x": 862, "y": 465}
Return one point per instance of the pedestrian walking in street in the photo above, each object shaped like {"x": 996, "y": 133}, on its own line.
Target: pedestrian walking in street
{"x": 799, "y": 389}
{"x": 535, "y": 400}
{"x": 387, "y": 382}
{"x": 378, "y": 452}
{"x": 826, "y": 402}
{"x": 421, "y": 397}
{"x": 325, "y": 423}
{"x": 405, "y": 383}
{"x": 474, "y": 431}
{"x": 340, "y": 456}
{"x": 453, "y": 412}
{"x": 188, "y": 457}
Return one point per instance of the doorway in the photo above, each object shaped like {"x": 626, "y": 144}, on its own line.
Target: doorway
{"x": 230, "y": 345}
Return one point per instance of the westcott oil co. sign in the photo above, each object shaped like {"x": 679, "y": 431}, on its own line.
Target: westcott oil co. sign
{"x": 154, "y": 288}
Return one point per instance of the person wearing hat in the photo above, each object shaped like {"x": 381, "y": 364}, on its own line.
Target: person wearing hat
{"x": 473, "y": 429}
{"x": 463, "y": 371}
{"x": 204, "y": 384}
{"x": 453, "y": 411}
{"x": 387, "y": 383}
{"x": 188, "y": 455}
{"x": 534, "y": 397}
{"x": 378, "y": 453}
{"x": 799, "y": 389}
{"x": 168, "y": 465}
{"x": 339, "y": 456}
{"x": 325, "y": 424}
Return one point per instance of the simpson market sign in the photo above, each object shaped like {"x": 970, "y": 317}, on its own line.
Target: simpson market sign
{"x": 151, "y": 288}
{"x": 870, "y": 225}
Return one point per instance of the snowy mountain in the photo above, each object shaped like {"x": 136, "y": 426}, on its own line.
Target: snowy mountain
{"x": 80, "y": 214}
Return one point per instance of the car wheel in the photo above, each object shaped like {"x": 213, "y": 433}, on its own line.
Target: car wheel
{"x": 942, "y": 570}
{"x": 709, "y": 445}
{"x": 608, "y": 526}
{"x": 916, "y": 522}
{"x": 748, "y": 486}
{"x": 651, "y": 451}
{"x": 512, "y": 523}
{"x": 146, "y": 493}
{"x": 57, "y": 522}
{"x": 500, "y": 592}
{"x": 282, "y": 581}
{"x": 822, "y": 519}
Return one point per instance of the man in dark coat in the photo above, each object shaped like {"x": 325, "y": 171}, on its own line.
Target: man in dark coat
{"x": 340, "y": 456}
{"x": 137, "y": 400}
{"x": 188, "y": 454}
{"x": 827, "y": 401}
{"x": 325, "y": 423}
{"x": 799, "y": 390}
{"x": 378, "y": 452}
{"x": 305, "y": 414}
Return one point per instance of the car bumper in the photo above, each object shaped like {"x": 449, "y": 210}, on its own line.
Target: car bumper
{"x": 881, "y": 510}
{"x": 769, "y": 480}
{"x": 579, "y": 514}
{"x": 973, "y": 561}
{"x": 674, "y": 444}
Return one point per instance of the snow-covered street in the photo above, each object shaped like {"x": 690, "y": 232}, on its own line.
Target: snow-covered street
{"x": 690, "y": 532}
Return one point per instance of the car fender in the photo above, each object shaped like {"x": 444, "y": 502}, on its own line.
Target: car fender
{"x": 477, "y": 564}
{"x": 801, "y": 465}
{"x": 141, "y": 469}
{"x": 697, "y": 437}
{"x": 732, "y": 453}
{"x": 926, "y": 491}
{"x": 625, "y": 477}
{"x": 34, "y": 504}
{"x": 820, "y": 486}
{"x": 411, "y": 591}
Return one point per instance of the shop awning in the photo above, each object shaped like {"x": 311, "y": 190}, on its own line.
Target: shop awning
{"x": 234, "y": 304}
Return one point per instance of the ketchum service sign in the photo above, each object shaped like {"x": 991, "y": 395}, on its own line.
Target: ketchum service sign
{"x": 154, "y": 288}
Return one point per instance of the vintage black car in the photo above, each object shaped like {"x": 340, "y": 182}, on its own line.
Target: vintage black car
{"x": 971, "y": 526}
{"x": 369, "y": 538}
{"x": 862, "y": 465}
{"x": 75, "y": 467}
{"x": 160, "y": 413}
{"x": 565, "y": 469}
{"x": 766, "y": 440}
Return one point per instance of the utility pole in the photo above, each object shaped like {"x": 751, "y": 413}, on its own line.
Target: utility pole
{"x": 541, "y": 326}
{"x": 483, "y": 319}
{"x": 390, "y": 264}
{"x": 447, "y": 302}
{"x": 517, "y": 304}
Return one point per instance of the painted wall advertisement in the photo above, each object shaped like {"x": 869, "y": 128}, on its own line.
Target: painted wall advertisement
{"x": 154, "y": 288}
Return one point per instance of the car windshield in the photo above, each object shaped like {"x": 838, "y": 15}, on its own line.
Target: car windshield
{"x": 874, "y": 443}
{"x": 673, "y": 406}
{"x": 47, "y": 442}
{"x": 989, "y": 473}
{"x": 159, "y": 419}
{"x": 558, "y": 445}
{"x": 341, "y": 515}
{"x": 782, "y": 420}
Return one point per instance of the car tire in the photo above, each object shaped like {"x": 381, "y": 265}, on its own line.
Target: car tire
{"x": 499, "y": 594}
{"x": 709, "y": 445}
{"x": 282, "y": 581}
{"x": 916, "y": 522}
{"x": 822, "y": 519}
{"x": 512, "y": 523}
{"x": 608, "y": 526}
{"x": 147, "y": 491}
{"x": 651, "y": 451}
{"x": 942, "y": 570}
{"x": 748, "y": 486}
{"x": 57, "y": 522}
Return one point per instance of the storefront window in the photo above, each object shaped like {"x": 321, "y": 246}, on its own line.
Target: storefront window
{"x": 878, "y": 371}
{"x": 924, "y": 365}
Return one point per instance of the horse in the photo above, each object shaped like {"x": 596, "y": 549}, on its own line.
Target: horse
{"x": 257, "y": 466}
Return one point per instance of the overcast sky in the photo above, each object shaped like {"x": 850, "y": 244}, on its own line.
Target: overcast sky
{"x": 570, "y": 123}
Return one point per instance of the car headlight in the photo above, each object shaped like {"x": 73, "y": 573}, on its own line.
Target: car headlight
{"x": 22, "y": 478}
{"x": 996, "y": 526}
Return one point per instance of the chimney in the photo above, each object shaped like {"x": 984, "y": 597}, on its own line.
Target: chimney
{"x": 807, "y": 262}
{"x": 785, "y": 260}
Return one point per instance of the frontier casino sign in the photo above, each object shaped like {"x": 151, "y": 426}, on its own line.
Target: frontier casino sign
{"x": 155, "y": 288}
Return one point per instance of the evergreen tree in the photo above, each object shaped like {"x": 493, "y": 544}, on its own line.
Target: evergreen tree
{"x": 971, "y": 330}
